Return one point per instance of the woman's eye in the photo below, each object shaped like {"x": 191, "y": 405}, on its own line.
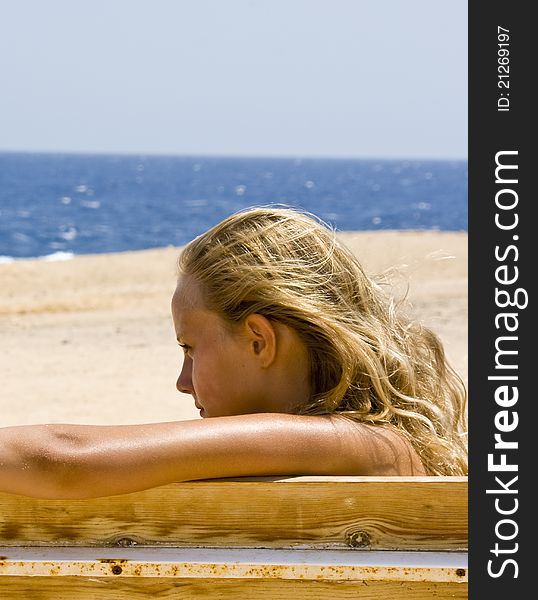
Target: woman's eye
{"x": 185, "y": 347}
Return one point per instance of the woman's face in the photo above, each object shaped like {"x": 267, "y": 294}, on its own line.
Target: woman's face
{"x": 218, "y": 369}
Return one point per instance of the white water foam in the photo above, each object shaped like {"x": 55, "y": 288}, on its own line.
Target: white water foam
{"x": 54, "y": 257}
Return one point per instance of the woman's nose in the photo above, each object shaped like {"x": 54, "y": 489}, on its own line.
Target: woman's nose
{"x": 184, "y": 381}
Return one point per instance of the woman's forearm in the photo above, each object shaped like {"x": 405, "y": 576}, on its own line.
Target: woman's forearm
{"x": 79, "y": 461}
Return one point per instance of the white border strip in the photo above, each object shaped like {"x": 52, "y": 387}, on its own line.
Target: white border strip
{"x": 206, "y": 563}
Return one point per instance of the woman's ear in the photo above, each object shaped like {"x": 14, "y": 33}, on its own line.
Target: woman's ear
{"x": 261, "y": 335}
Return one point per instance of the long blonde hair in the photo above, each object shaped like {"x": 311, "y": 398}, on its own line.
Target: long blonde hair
{"x": 368, "y": 361}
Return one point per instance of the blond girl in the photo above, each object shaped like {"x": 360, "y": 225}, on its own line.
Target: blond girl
{"x": 298, "y": 362}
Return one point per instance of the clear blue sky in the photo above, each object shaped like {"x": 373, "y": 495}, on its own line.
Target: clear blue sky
{"x": 328, "y": 78}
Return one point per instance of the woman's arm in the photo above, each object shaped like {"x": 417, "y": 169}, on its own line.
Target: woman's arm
{"x": 83, "y": 461}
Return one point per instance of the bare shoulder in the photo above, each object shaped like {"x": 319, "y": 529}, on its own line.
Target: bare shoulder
{"x": 376, "y": 450}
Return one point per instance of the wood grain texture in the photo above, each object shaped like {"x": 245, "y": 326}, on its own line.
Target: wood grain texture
{"x": 68, "y": 588}
{"x": 404, "y": 513}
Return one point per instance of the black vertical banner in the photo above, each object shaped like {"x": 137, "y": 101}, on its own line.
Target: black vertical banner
{"x": 502, "y": 243}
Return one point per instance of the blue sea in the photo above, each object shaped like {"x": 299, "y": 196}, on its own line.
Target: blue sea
{"x": 59, "y": 205}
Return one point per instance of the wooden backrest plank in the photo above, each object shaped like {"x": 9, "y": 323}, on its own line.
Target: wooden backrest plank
{"x": 388, "y": 513}
{"x": 81, "y": 588}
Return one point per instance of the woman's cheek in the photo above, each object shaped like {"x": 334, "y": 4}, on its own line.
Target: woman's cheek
{"x": 200, "y": 380}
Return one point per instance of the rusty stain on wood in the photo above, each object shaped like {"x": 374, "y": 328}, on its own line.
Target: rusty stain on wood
{"x": 243, "y": 564}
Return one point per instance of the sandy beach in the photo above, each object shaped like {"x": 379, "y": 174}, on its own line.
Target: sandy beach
{"x": 90, "y": 340}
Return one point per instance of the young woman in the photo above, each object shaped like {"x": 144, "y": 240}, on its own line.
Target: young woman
{"x": 298, "y": 362}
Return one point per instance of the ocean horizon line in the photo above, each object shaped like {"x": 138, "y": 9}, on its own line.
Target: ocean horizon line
{"x": 231, "y": 156}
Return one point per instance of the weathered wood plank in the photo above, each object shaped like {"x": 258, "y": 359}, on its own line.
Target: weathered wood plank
{"x": 68, "y": 588}
{"x": 404, "y": 513}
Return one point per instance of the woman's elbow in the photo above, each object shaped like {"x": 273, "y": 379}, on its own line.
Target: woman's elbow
{"x": 51, "y": 463}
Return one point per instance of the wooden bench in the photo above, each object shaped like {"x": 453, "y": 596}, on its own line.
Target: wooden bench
{"x": 301, "y": 537}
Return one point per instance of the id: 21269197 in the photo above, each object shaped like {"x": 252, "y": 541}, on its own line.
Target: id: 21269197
{"x": 503, "y": 69}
